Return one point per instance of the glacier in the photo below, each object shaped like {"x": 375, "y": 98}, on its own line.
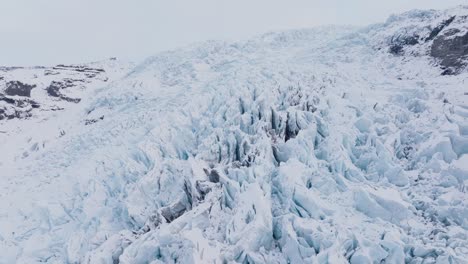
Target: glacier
{"x": 327, "y": 145}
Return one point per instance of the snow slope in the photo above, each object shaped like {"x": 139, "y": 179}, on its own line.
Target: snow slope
{"x": 309, "y": 146}
{"x": 33, "y": 99}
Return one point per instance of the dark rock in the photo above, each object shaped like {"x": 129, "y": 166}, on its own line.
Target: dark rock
{"x": 6, "y": 69}
{"x": 19, "y": 108}
{"x": 87, "y": 71}
{"x": 55, "y": 108}
{"x": 439, "y": 28}
{"x": 447, "y": 72}
{"x": 410, "y": 40}
{"x": 55, "y": 86}
{"x": 7, "y": 100}
{"x": 213, "y": 175}
{"x": 22, "y": 103}
{"x": 203, "y": 188}
{"x": 71, "y": 100}
{"x": 17, "y": 113}
{"x": 54, "y": 90}
{"x": 78, "y": 68}
{"x": 172, "y": 212}
{"x": 18, "y": 88}
{"x": 50, "y": 72}
{"x": 396, "y": 49}
{"x": 451, "y": 51}
{"x": 90, "y": 121}
{"x": 398, "y": 43}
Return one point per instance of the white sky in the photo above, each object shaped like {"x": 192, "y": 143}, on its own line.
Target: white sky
{"x": 44, "y": 32}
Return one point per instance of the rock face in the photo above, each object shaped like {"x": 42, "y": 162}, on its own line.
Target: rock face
{"x": 451, "y": 49}
{"x": 398, "y": 44}
{"x": 441, "y": 35}
{"x": 27, "y": 91}
{"x": 55, "y": 87}
{"x": 439, "y": 28}
{"x": 18, "y": 88}
{"x": 16, "y": 108}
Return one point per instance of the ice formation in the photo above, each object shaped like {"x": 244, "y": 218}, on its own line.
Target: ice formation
{"x": 328, "y": 145}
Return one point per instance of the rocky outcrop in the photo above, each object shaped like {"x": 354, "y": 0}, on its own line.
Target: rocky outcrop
{"x": 399, "y": 42}
{"x": 18, "y": 88}
{"x": 443, "y": 36}
{"x": 16, "y": 108}
{"x": 451, "y": 50}
{"x": 54, "y": 87}
{"x": 439, "y": 28}
{"x": 89, "y": 72}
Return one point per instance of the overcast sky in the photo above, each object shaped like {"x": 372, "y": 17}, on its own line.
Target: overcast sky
{"x": 44, "y": 32}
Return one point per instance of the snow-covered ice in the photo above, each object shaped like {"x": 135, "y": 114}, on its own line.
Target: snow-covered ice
{"x": 306, "y": 146}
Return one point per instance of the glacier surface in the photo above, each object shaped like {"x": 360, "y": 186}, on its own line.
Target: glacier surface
{"x": 306, "y": 146}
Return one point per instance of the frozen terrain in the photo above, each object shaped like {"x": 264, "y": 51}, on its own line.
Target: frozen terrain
{"x": 326, "y": 145}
